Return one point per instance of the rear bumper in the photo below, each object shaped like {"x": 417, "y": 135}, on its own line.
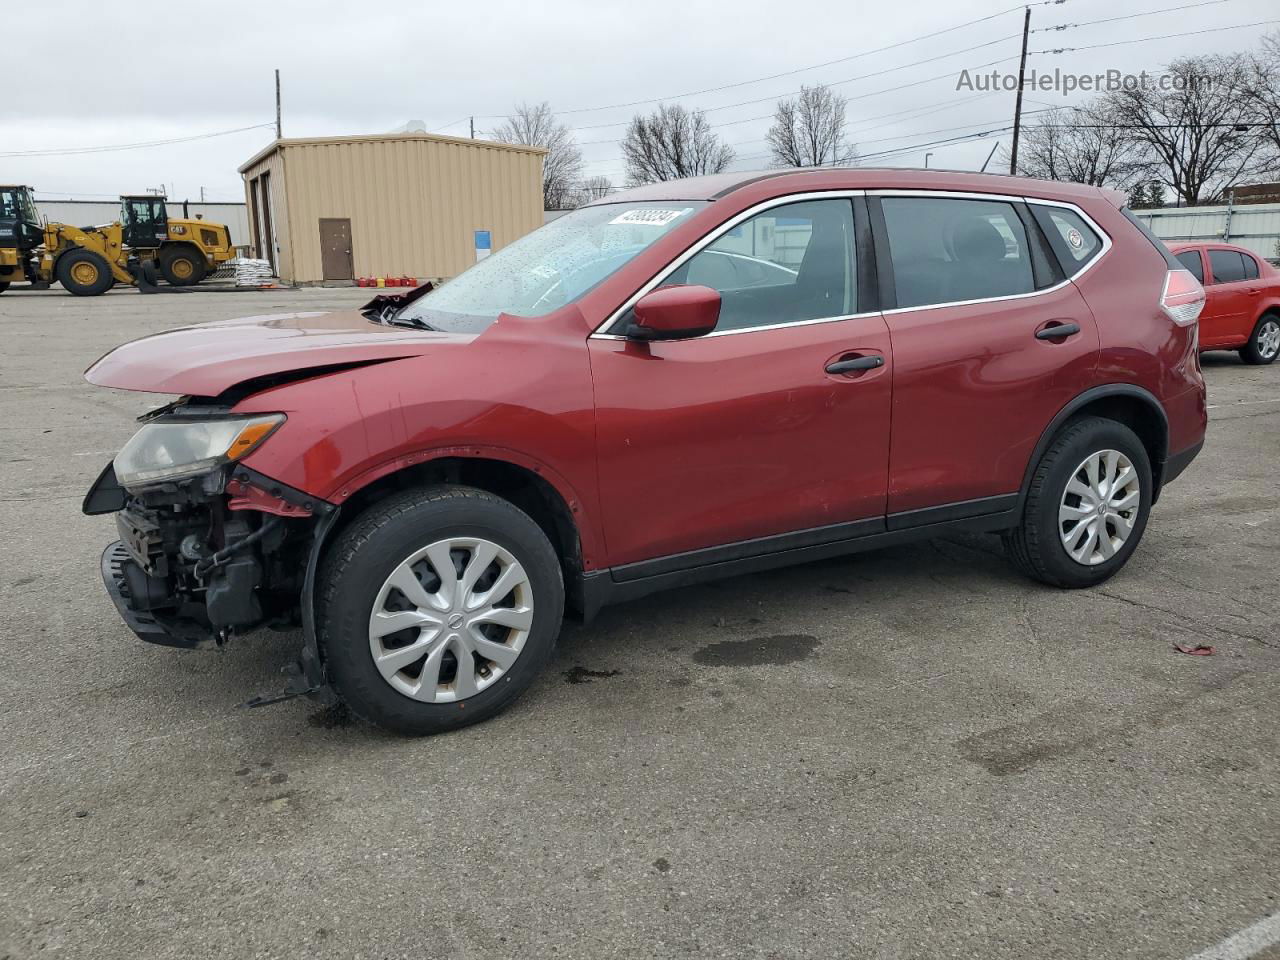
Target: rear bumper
{"x": 1179, "y": 462}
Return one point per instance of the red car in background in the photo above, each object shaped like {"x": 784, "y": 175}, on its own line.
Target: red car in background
{"x": 1242, "y": 299}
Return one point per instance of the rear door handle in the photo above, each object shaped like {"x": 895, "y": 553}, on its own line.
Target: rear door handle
{"x": 1058, "y": 331}
{"x": 857, "y": 363}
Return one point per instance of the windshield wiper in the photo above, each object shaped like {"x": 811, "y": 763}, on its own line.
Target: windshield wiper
{"x": 390, "y": 318}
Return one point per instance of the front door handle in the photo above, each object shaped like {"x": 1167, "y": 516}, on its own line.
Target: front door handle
{"x": 1058, "y": 331}
{"x": 857, "y": 363}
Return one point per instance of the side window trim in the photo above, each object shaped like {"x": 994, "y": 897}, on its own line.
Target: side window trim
{"x": 887, "y": 286}
{"x": 1046, "y": 268}
{"x": 616, "y": 321}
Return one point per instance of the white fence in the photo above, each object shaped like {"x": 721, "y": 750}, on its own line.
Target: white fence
{"x": 1252, "y": 225}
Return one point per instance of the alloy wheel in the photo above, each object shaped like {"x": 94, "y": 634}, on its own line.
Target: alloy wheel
{"x": 1269, "y": 339}
{"x": 451, "y": 619}
{"x": 1099, "y": 507}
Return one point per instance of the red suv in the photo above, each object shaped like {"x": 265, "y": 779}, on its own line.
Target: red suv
{"x": 688, "y": 380}
{"x": 1242, "y": 299}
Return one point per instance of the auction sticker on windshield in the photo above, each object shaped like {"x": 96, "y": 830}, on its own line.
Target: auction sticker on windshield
{"x": 648, "y": 217}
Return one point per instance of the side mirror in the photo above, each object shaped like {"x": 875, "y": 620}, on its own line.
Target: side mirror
{"x": 675, "y": 313}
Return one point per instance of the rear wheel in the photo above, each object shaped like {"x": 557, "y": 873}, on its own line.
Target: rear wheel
{"x": 4, "y": 285}
{"x": 437, "y": 608}
{"x": 182, "y": 266}
{"x": 1086, "y": 507}
{"x": 84, "y": 273}
{"x": 1264, "y": 343}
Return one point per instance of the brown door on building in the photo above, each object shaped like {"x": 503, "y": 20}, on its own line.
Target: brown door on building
{"x": 335, "y": 249}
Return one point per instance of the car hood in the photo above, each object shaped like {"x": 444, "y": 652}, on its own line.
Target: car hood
{"x": 209, "y": 358}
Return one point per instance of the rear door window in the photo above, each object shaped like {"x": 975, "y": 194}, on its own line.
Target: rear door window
{"x": 1250, "y": 267}
{"x": 1191, "y": 260}
{"x": 947, "y": 250}
{"x": 1227, "y": 266}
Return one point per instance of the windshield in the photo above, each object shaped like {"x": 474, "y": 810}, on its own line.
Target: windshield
{"x": 550, "y": 267}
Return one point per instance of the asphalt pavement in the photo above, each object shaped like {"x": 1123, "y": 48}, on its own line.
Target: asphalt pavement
{"x": 909, "y": 753}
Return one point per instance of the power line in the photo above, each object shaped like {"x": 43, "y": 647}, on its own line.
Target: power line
{"x": 111, "y": 148}
{"x": 852, "y": 133}
{"x": 919, "y": 133}
{"x": 1129, "y": 16}
{"x": 790, "y": 73}
{"x": 1167, "y": 36}
{"x": 838, "y": 83}
{"x": 863, "y": 96}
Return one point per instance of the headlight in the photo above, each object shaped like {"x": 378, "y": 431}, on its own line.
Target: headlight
{"x": 172, "y": 448}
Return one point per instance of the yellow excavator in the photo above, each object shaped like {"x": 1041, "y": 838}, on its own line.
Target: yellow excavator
{"x": 88, "y": 261}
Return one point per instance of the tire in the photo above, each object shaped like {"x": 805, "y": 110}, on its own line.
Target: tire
{"x": 4, "y": 285}
{"x": 1036, "y": 546}
{"x": 182, "y": 266}
{"x": 1264, "y": 343}
{"x": 354, "y": 579}
{"x": 84, "y": 273}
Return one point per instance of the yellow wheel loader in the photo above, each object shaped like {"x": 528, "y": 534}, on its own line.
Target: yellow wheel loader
{"x": 89, "y": 260}
{"x": 185, "y": 251}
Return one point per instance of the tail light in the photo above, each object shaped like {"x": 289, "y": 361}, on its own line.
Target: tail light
{"x": 1183, "y": 297}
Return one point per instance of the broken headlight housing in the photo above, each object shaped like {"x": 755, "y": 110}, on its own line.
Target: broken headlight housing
{"x": 171, "y": 448}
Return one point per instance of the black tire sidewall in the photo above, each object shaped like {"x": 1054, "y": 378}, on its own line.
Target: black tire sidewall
{"x": 347, "y": 594}
{"x": 70, "y": 259}
{"x": 182, "y": 253}
{"x": 1250, "y": 352}
{"x": 1069, "y": 452}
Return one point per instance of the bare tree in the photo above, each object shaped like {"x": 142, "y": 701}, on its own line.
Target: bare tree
{"x": 671, "y": 143}
{"x": 1198, "y": 124}
{"x": 536, "y": 126}
{"x": 1264, "y": 94}
{"x": 1083, "y": 144}
{"x": 808, "y": 131}
{"x": 592, "y": 188}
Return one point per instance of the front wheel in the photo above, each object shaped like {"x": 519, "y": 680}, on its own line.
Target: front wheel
{"x": 1264, "y": 343}
{"x": 84, "y": 273}
{"x": 437, "y": 608}
{"x": 1086, "y": 507}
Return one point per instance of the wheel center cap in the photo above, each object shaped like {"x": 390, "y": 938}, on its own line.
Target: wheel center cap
{"x": 455, "y": 620}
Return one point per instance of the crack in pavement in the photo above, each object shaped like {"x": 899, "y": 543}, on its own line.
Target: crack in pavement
{"x": 1099, "y": 592}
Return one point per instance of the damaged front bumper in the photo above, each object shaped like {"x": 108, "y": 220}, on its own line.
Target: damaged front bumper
{"x": 204, "y": 560}
{"x": 118, "y": 568}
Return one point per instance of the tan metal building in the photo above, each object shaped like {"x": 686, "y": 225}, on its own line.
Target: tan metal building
{"x": 404, "y": 204}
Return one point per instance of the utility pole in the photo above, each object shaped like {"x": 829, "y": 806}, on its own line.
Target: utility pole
{"x": 473, "y": 128}
{"x": 280, "y": 136}
{"x": 1017, "y": 107}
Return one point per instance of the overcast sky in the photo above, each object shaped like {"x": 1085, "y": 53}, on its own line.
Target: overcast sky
{"x": 101, "y": 79}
